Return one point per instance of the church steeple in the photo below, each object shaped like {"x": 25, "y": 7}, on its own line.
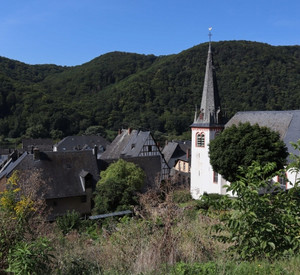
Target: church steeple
{"x": 210, "y": 106}
{"x": 207, "y": 125}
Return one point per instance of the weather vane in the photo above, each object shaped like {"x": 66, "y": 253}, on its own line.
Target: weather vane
{"x": 209, "y": 34}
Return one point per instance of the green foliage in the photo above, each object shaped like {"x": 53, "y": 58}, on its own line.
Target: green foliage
{"x": 210, "y": 201}
{"x": 264, "y": 220}
{"x": 143, "y": 91}
{"x": 209, "y": 268}
{"x": 30, "y": 258}
{"x": 118, "y": 187}
{"x": 232, "y": 267}
{"x": 240, "y": 145}
{"x": 181, "y": 196}
{"x": 294, "y": 165}
{"x": 68, "y": 222}
{"x": 94, "y": 130}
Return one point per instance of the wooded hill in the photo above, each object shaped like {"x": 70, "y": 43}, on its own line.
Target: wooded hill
{"x": 119, "y": 89}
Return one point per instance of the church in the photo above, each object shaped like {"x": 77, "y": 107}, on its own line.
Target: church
{"x": 208, "y": 123}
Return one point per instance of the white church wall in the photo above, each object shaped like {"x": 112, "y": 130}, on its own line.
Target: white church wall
{"x": 203, "y": 179}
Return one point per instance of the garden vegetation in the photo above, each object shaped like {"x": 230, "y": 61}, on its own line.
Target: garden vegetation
{"x": 254, "y": 233}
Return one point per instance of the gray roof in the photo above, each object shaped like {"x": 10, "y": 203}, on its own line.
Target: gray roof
{"x": 11, "y": 165}
{"x": 176, "y": 150}
{"x": 287, "y": 123}
{"x": 169, "y": 150}
{"x": 72, "y": 143}
{"x": 128, "y": 143}
{"x": 44, "y": 144}
{"x": 60, "y": 170}
{"x": 210, "y": 105}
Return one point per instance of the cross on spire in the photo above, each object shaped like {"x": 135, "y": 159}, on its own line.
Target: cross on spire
{"x": 209, "y": 34}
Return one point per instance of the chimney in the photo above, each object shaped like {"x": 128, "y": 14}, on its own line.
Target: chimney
{"x": 187, "y": 154}
{"x": 129, "y": 131}
{"x": 95, "y": 151}
{"x": 119, "y": 132}
{"x": 36, "y": 154}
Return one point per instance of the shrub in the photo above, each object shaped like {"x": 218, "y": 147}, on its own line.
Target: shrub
{"x": 181, "y": 196}
{"x": 21, "y": 211}
{"x": 210, "y": 201}
{"x": 69, "y": 221}
{"x": 262, "y": 224}
{"x": 118, "y": 187}
{"x": 30, "y": 258}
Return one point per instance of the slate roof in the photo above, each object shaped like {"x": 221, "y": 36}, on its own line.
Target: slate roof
{"x": 287, "y": 123}
{"x": 176, "y": 150}
{"x": 72, "y": 143}
{"x": 60, "y": 170}
{"x": 11, "y": 165}
{"x": 44, "y": 144}
{"x": 210, "y": 103}
{"x": 126, "y": 144}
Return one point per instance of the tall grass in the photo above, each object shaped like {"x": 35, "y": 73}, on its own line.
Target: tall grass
{"x": 162, "y": 238}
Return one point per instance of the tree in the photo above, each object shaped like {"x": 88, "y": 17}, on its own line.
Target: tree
{"x": 238, "y": 146}
{"x": 117, "y": 189}
{"x": 261, "y": 225}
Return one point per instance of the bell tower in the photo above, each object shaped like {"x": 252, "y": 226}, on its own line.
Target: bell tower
{"x": 207, "y": 124}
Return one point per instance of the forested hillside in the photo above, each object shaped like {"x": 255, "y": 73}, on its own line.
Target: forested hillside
{"x": 144, "y": 91}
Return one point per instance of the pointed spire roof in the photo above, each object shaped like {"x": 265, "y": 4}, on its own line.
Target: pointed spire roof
{"x": 210, "y": 106}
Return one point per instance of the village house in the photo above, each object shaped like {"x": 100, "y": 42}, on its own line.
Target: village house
{"x": 76, "y": 143}
{"x": 138, "y": 147}
{"x": 70, "y": 178}
{"x": 177, "y": 155}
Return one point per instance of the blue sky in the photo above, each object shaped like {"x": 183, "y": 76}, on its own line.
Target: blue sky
{"x": 72, "y": 32}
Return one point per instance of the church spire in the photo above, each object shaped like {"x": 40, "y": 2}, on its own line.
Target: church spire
{"x": 210, "y": 107}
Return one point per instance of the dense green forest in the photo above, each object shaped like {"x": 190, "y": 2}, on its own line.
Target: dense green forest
{"x": 119, "y": 89}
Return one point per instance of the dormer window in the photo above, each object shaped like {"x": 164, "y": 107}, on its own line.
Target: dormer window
{"x": 132, "y": 146}
{"x": 200, "y": 140}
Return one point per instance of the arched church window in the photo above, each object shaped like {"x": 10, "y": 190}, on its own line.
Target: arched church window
{"x": 200, "y": 139}
{"x": 215, "y": 177}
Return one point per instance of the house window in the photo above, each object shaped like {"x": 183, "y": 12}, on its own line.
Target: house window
{"x": 200, "y": 139}
{"x": 149, "y": 148}
{"x": 216, "y": 177}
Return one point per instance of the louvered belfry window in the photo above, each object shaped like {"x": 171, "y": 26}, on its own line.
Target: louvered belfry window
{"x": 200, "y": 140}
